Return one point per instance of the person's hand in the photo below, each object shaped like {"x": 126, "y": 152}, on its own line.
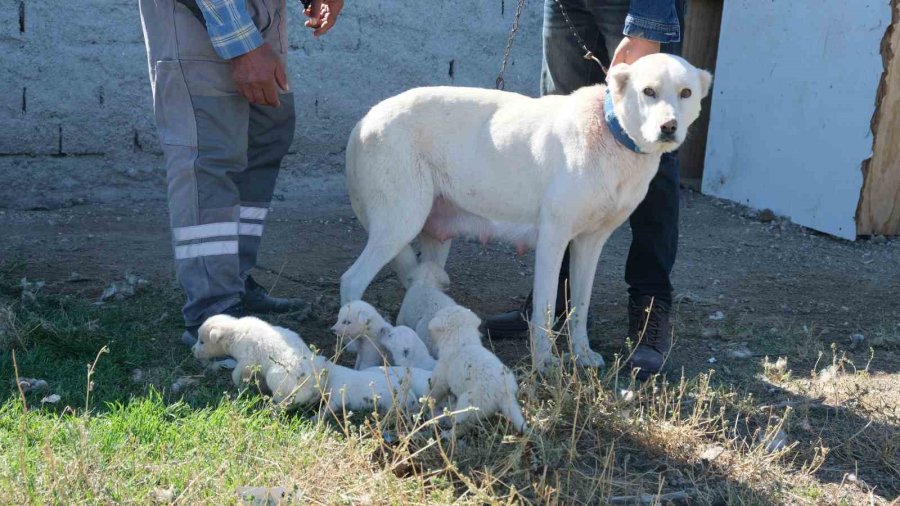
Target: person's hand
{"x": 631, "y": 49}
{"x": 258, "y": 75}
{"x": 322, "y": 15}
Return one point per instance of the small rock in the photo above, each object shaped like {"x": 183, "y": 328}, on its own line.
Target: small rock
{"x": 712, "y": 360}
{"x": 740, "y": 353}
{"x": 710, "y": 333}
{"x": 182, "y": 383}
{"x": 717, "y": 316}
{"x": 32, "y": 384}
{"x": 774, "y": 442}
{"x": 51, "y": 399}
{"x": 766, "y": 216}
{"x": 163, "y": 495}
{"x": 712, "y": 453}
{"x": 856, "y": 340}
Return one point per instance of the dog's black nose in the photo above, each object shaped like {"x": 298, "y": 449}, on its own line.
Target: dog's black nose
{"x": 669, "y": 127}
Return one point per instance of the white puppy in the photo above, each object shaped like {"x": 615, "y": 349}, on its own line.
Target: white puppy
{"x": 375, "y": 389}
{"x": 424, "y": 297}
{"x": 481, "y": 383}
{"x": 277, "y": 353}
{"x": 435, "y": 163}
{"x": 361, "y": 324}
{"x": 407, "y": 349}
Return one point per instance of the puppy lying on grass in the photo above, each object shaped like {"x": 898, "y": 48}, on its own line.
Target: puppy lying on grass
{"x": 407, "y": 349}
{"x": 375, "y": 389}
{"x": 424, "y": 298}
{"x": 277, "y": 354}
{"x": 363, "y": 327}
{"x": 481, "y": 383}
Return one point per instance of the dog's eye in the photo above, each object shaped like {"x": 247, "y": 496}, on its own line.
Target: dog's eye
{"x": 686, "y": 93}
{"x": 649, "y": 92}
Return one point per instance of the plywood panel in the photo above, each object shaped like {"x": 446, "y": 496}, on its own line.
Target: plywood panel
{"x": 701, "y": 42}
{"x": 879, "y": 208}
{"x": 791, "y": 116}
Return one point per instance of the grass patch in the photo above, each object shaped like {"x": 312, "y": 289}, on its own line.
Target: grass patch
{"x": 593, "y": 438}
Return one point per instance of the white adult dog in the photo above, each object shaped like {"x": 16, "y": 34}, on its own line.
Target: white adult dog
{"x": 278, "y": 354}
{"x": 481, "y": 383}
{"x": 434, "y": 163}
{"x": 407, "y": 349}
{"x": 361, "y": 324}
{"x": 425, "y": 295}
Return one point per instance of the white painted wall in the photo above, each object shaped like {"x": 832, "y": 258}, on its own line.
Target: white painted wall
{"x": 793, "y": 100}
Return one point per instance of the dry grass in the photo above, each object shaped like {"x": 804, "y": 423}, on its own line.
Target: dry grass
{"x": 592, "y": 439}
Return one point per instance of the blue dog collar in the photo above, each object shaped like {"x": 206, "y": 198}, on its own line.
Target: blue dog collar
{"x": 609, "y": 114}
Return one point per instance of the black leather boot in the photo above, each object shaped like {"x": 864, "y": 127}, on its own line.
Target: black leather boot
{"x": 256, "y": 299}
{"x": 650, "y": 330}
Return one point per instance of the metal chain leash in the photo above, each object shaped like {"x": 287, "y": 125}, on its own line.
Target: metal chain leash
{"x": 588, "y": 54}
{"x": 509, "y": 41}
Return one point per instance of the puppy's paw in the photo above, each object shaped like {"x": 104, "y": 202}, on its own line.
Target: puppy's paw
{"x": 589, "y": 358}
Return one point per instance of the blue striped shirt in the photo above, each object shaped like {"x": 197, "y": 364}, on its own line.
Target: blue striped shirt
{"x": 231, "y": 29}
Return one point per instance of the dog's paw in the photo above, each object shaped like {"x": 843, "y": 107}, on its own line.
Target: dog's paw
{"x": 545, "y": 362}
{"x": 589, "y": 358}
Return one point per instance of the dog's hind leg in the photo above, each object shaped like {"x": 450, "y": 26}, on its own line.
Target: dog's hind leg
{"x": 404, "y": 263}
{"x": 387, "y": 240}
{"x": 434, "y": 250}
{"x": 585, "y": 254}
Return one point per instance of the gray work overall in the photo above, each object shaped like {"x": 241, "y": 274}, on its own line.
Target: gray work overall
{"x": 222, "y": 153}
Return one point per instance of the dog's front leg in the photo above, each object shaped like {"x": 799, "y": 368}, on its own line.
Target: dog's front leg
{"x": 585, "y": 252}
{"x": 551, "y": 246}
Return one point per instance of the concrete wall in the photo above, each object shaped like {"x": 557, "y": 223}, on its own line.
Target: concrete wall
{"x": 75, "y": 109}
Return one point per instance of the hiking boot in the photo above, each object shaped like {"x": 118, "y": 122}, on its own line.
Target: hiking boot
{"x": 256, "y": 299}
{"x": 650, "y": 329}
{"x": 189, "y": 336}
{"x": 515, "y": 324}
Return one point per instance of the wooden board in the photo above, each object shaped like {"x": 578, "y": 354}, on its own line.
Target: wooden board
{"x": 790, "y": 123}
{"x": 879, "y": 205}
{"x": 702, "y": 21}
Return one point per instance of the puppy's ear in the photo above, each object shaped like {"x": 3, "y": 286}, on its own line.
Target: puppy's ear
{"x": 617, "y": 79}
{"x": 215, "y": 335}
{"x": 705, "y": 82}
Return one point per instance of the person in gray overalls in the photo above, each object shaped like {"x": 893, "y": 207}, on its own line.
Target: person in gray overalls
{"x": 225, "y": 119}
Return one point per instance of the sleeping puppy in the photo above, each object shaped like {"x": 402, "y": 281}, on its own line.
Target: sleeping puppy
{"x": 361, "y": 324}
{"x": 407, "y": 349}
{"x": 276, "y": 353}
{"x": 424, "y": 297}
{"x": 375, "y": 389}
{"x": 469, "y": 371}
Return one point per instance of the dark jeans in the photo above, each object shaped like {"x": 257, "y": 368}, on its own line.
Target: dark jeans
{"x": 654, "y": 224}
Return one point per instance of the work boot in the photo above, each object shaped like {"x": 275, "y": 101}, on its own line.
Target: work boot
{"x": 256, "y": 299}
{"x": 514, "y": 324}
{"x": 650, "y": 329}
{"x": 189, "y": 336}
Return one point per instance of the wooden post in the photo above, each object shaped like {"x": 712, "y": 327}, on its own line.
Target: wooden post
{"x": 879, "y": 202}
{"x": 703, "y": 19}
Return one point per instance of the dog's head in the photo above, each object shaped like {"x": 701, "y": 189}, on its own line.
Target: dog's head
{"x": 214, "y": 337}
{"x": 401, "y": 342}
{"x": 454, "y": 326}
{"x": 657, "y": 98}
{"x": 429, "y": 274}
{"x": 355, "y": 320}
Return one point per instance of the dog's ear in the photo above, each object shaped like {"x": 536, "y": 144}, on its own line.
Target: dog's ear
{"x": 617, "y": 78}
{"x": 705, "y": 82}
{"x": 215, "y": 335}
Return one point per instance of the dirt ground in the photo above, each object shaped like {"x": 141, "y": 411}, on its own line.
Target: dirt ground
{"x": 764, "y": 276}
